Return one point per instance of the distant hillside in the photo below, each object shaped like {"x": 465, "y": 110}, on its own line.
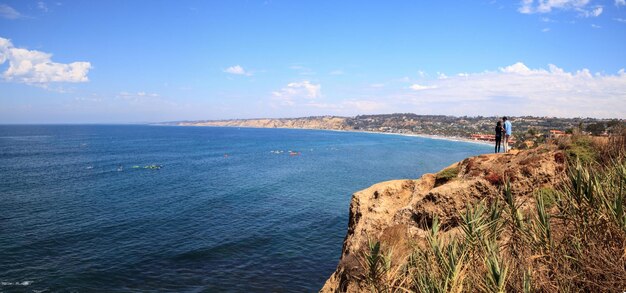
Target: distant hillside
{"x": 326, "y": 122}
{"x": 422, "y": 124}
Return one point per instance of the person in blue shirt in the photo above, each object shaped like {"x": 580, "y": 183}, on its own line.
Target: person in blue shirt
{"x": 507, "y": 133}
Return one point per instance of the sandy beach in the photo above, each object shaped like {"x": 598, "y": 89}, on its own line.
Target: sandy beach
{"x": 448, "y": 138}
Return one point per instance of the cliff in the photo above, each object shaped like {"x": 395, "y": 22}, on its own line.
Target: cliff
{"x": 397, "y": 213}
{"x": 526, "y": 128}
{"x": 326, "y": 122}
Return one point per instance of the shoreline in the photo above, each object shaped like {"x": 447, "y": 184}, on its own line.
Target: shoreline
{"x": 430, "y": 136}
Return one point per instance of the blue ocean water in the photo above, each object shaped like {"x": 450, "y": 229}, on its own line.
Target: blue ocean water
{"x": 230, "y": 209}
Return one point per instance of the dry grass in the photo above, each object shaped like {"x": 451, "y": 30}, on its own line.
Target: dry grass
{"x": 573, "y": 240}
{"x": 494, "y": 178}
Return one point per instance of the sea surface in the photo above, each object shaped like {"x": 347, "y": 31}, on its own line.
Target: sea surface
{"x": 86, "y": 208}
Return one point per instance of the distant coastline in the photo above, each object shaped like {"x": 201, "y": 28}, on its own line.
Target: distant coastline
{"x": 429, "y": 136}
{"x": 527, "y": 129}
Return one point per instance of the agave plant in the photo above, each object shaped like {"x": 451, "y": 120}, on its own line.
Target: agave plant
{"x": 497, "y": 270}
{"x": 516, "y": 215}
{"x": 377, "y": 265}
{"x": 543, "y": 230}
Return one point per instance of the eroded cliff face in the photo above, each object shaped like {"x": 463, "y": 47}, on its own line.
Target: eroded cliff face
{"x": 396, "y": 213}
{"x": 330, "y": 122}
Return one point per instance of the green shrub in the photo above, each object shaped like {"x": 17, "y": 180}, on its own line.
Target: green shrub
{"x": 548, "y": 195}
{"x": 446, "y": 175}
{"x": 582, "y": 149}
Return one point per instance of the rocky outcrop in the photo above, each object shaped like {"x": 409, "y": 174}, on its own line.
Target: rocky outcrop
{"x": 397, "y": 213}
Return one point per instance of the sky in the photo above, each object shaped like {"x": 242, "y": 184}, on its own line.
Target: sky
{"x": 150, "y": 61}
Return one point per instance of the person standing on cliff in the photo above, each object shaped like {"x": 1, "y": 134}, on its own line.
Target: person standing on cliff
{"x": 507, "y": 133}
{"x": 499, "y": 131}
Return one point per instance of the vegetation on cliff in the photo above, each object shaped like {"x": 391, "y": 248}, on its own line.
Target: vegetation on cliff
{"x": 446, "y": 175}
{"x": 525, "y": 128}
{"x": 570, "y": 237}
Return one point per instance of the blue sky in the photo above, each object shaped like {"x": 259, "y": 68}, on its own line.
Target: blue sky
{"x": 134, "y": 61}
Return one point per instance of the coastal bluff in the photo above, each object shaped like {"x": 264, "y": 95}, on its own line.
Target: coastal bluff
{"x": 326, "y": 122}
{"x": 398, "y": 213}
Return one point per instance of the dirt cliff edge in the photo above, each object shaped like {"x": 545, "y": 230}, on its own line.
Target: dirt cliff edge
{"x": 394, "y": 212}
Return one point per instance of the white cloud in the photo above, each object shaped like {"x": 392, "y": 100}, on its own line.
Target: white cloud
{"x": 519, "y": 68}
{"x": 312, "y": 90}
{"x": 36, "y": 67}
{"x": 595, "y": 26}
{"x": 296, "y": 91}
{"x": 364, "y": 106}
{"x": 526, "y": 7}
{"x": 620, "y": 19}
{"x": 345, "y": 107}
{"x": 417, "y": 87}
{"x": 519, "y": 90}
{"x": 377, "y": 85}
{"x": 547, "y": 6}
{"x": 238, "y": 70}
{"x": 620, "y": 3}
{"x": 595, "y": 12}
{"x": 337, "y": 72}
{"x": 545, "y": 30}
{"x": 141, "y": 94}
{"x": 302, "y": 70}
{"x": 513, "y": 90}
{"x": 8, "y": 12}
{"x": 42, "y": 6}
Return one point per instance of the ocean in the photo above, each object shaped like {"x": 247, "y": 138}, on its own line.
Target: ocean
{"x": 117, "y": 208}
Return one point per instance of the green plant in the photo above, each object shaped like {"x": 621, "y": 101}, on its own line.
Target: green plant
{"x": 497, "y": 270}
{"x": 377, "y": 265}
{"x": 548, "y": 195}
{"x": 446, "y": 175}
{"x": 581, "y": 148}
{"x": 542, "y": 228}
{"x": 516, "y": 216}
{"x": 441, "y": 266}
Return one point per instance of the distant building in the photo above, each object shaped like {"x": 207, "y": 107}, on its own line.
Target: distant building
{"x": 556, "y": 133}
{"x": 489, "y": 137}
{"x": 483, "y": 137}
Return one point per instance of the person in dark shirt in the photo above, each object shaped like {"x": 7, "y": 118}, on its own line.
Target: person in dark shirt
{"x": 499, "y": 131}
